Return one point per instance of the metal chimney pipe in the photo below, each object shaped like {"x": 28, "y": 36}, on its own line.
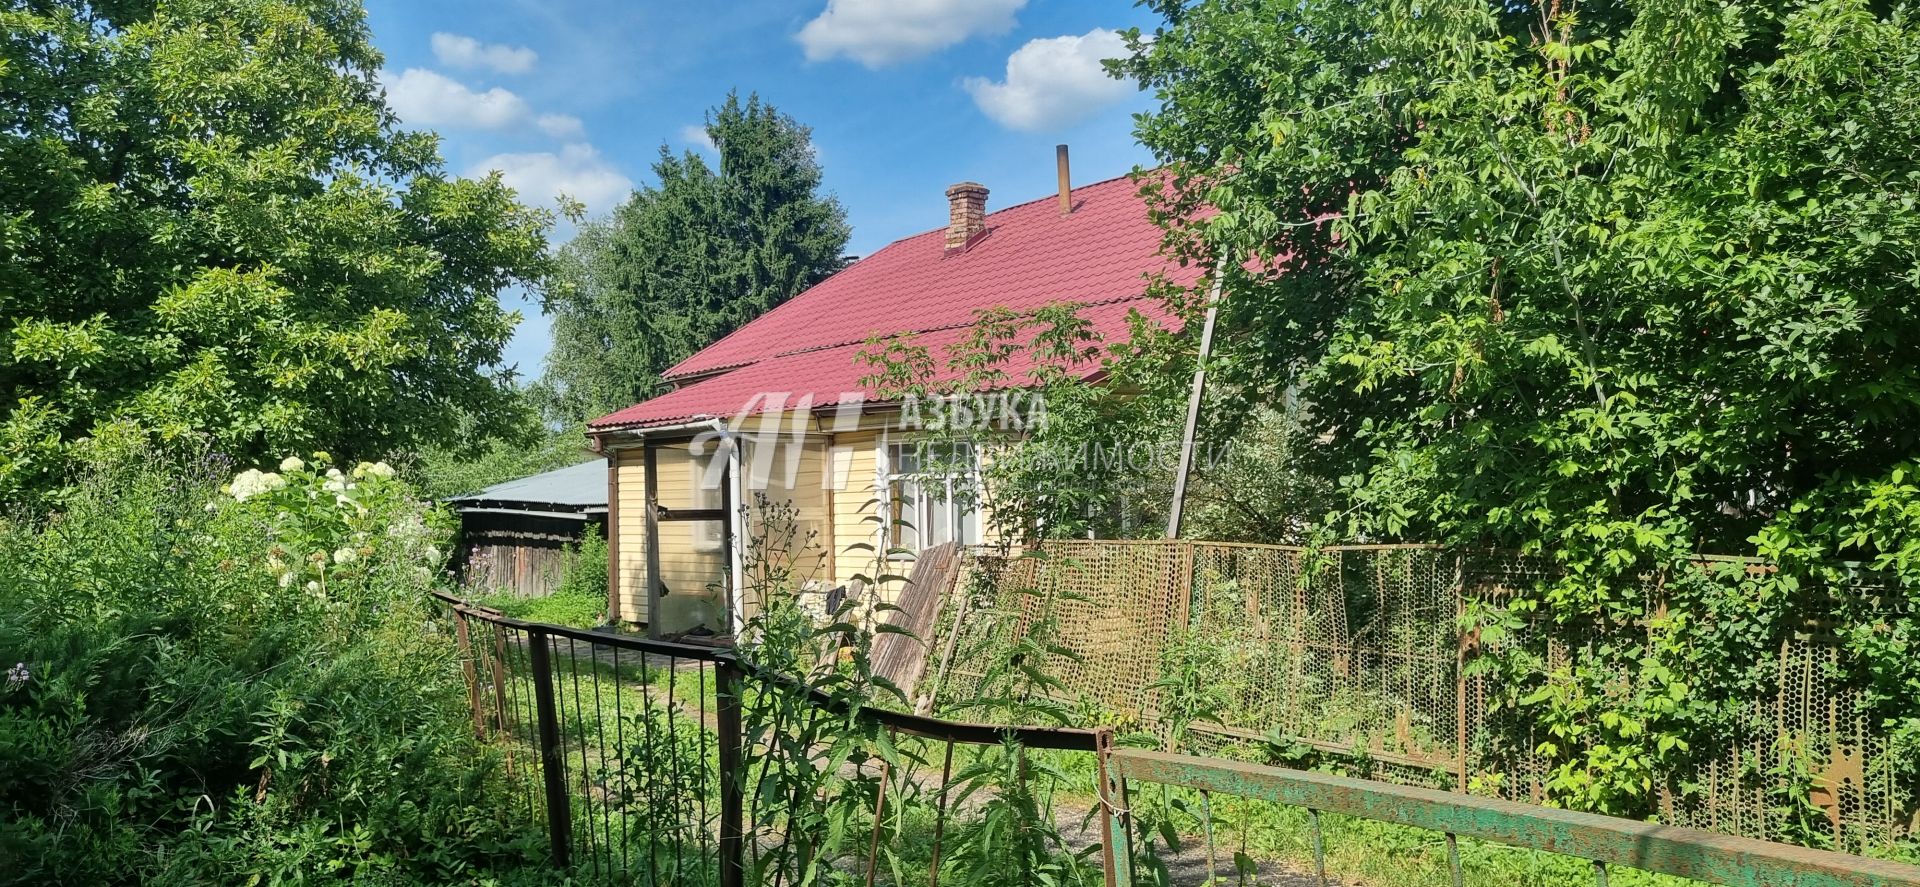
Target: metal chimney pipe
{"x": 1066, "y": 179}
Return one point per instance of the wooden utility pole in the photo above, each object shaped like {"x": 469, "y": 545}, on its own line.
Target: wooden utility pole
{"x": 1193, "y": 412}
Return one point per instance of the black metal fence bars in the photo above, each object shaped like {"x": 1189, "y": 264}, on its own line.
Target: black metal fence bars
{"x": 635, "y": 754}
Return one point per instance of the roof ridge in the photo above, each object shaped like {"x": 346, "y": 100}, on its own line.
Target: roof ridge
{"x": 1012, "y": 207}
{"x": 710, "y": 372}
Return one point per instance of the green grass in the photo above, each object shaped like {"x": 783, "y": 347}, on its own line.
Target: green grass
{"x": 1358, "y": 850}
{"x": 1376, "y": 854}
{"x": 578, "y": 609}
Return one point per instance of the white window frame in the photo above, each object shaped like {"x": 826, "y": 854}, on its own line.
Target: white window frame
{"x": 968, "y": 527}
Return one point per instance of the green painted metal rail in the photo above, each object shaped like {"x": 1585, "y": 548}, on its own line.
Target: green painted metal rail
{"x": 1606, "y": 840}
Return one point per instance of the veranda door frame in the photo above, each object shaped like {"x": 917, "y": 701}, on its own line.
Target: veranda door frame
{"x": 656, "y": 514}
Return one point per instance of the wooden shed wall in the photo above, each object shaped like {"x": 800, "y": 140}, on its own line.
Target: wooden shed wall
{"x": 520, "y": 555}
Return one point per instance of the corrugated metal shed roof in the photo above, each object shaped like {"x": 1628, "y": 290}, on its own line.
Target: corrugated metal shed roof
{"x": 581, "y": 487}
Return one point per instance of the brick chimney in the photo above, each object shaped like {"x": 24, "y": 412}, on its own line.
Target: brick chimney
{"x": 966, "y": 214}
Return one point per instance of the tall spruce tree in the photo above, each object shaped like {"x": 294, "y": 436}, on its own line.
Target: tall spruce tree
{"x": 687, "y": 261}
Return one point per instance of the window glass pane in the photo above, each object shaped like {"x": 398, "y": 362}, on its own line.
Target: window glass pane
{"x": 706, "y": 481}
{"x": 938, "y": 529}
{"x": 969, "y": 532}
{"x": 903, "y": 459}
{"x": 693, "y": 579}
{"x": 931, "y": 489}
{"x": 906, "y": 516}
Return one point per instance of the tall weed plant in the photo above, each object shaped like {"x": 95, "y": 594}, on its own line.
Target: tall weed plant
{"x": 220, "y": 678}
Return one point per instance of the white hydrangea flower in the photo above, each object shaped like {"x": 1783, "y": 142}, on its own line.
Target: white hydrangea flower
{"x": 408, "y": 529}
{"x": 292, "y": 463}
{"x": 252, "y": 482}
{"x": 380, "y": 469}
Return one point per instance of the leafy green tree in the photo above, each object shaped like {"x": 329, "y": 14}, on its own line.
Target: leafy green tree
{"x": 212, "y": 227}
{"x": 512, "y": 452}
{"x": 1087, "y": 442}
{"x": 687, "y": 261}
{"x": 1614, "y": 281}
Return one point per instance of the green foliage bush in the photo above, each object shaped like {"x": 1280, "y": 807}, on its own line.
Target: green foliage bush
{"x": 484, "y": 457}
{"x": 1609, "y": 283}
{"x": 586, "y": 573}
{"x": 1094, "y": 449}
{"x": 221, "y": 683}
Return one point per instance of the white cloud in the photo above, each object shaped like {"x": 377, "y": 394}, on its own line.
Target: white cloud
{"x": 561, "y": 126}
{"x": 578, "y": 171}
{"x": 695, "y": 135}
{"x": 880, "y": 32}
{"x": 428, "y": 98}
{"x": 459, "y": 51}
{"x": 1053, "y": 82}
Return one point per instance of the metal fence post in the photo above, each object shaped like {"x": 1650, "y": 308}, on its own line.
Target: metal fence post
{"x": 553, "y": 759}
{"x": 1115, "y": 824}
{"x": 732, "y": 783}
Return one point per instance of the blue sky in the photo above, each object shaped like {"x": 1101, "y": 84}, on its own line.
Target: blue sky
{"x": 905, "y": 97}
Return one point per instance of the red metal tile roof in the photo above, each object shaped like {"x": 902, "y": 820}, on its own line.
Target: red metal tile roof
{"x": 826, "y": 377}
{"x": 1102, "y": 254}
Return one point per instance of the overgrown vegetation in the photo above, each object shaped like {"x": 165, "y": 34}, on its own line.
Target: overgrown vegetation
{"x": 218, "y": 678}
{"x": 513, "y": 450}
{"x": 1092, "y": 446}
{"x": 816, "y": 767}
{"x": 1609, "y": 283}
{"x": 215, "y": 228}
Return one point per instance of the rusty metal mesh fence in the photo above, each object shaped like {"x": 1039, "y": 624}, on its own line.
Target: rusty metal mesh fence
{"x": 1356, "y": 655}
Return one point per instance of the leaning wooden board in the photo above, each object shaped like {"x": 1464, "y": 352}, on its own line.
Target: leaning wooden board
{"x": 902, "y": 658}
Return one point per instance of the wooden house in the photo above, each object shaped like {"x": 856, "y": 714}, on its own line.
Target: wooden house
{"x": 775, "y": 415}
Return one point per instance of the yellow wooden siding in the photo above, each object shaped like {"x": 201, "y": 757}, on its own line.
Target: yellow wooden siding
{"x": 630, "y": 536}
{"x": 833, "y": 489}
{"x": 787, "y": 474}
{"x": 854, "y": 506}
